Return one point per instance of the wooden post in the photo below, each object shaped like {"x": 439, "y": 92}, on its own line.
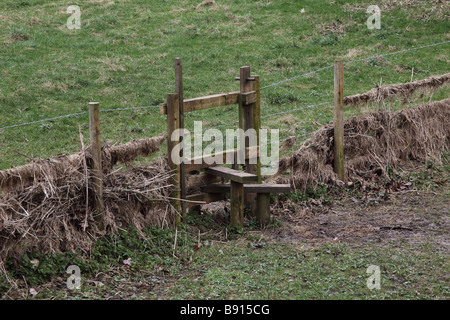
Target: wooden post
{"x": 339, "y": 118}
{"x": 257, "y": 123}
{"x": 237, "y": 204}
{"x": 179, "y": 91}
{"x": 97, "y": 170}
{"x": 263, "y": 208}
{"x": 173, "y": 113}
{"x": 246, "y": 121}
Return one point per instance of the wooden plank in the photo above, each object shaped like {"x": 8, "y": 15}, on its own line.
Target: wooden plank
{"x": 231, "y": 174}
{"x": 97, "y": 170}
{"x": 339, "y": 118}
{"x": 205, "y": 197}
{"x": 248, "y": 188}
{"x": 213, "y": 101}
{"x": 173, "y": 124}
{"x": 206, "y": 162}
{"x": 248, "y": 97}
{"x": 237, "y": 204}
{"x": 263, "y": 208}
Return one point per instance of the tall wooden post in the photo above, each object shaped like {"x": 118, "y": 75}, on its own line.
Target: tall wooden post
{"x": 173, "y": 123}
{"x": 97, "y": 170}
{"x": 179, "y": 91}
{"x": 257, "y": 123}
{"x": 247, "y": 121}
{"x": 339, "y": 118}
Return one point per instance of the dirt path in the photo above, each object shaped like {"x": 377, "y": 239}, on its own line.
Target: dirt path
{"x": 412, "y": 216}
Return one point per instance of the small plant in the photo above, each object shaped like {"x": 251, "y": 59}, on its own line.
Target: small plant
{"x": 19, "y": 34}
{"x": 326, "y": 40}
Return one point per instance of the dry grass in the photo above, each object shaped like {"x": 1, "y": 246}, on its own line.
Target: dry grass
{"x": 47, "y": 207}
{"x": 372, "y": 142}
{"x": 406, "y": 90}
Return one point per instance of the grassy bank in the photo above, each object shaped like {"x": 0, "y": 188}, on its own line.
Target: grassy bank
{"x": 123, "y": 57}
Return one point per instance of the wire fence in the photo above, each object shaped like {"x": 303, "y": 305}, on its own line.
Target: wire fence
{"x": 262, "y": 88}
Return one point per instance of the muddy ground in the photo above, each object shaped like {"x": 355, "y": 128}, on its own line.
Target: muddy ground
{"x": 411, "y": 216}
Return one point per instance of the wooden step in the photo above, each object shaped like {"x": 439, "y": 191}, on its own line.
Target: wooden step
{"x": 231, "y": 174}
{"x": 250, "y": 188}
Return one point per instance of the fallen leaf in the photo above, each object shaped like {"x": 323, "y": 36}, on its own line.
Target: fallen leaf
{"x": 128, "y": 262}
{"x": 98, "y": 283}
{"x": 33, "y": 292}
{"x": 35, "y": 263}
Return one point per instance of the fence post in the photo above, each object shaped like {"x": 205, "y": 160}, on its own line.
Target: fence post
{"x": 257, "y": 124}
{"x": 339, "y": 118}
{"x": 173, "y": 123}
{"x": 97, "y": 170}
{"x": 179, "y": 91}
{"x": 247, "y": 121}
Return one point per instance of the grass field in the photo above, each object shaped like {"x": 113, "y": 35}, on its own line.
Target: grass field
{"x": 123, "y": 56}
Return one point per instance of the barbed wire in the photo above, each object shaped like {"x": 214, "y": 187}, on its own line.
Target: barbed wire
{"x": 296, "y": 77}
{"x": 270, "y": 85}
{"x": 353, "y": 61}
{"x": 72, "y": 115}
{"x": 265, "y": 116}
{"x": 290, "y": 137}
{"x": 397, "y": 52}
{"x": 129, "y": 108}
{"x": 296, "y": 109}
{"x": 44, "y": 120}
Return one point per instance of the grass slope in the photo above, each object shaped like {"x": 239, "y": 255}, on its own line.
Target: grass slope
{"x": 123, "y": 56}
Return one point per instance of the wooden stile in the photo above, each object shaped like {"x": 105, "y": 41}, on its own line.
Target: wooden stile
{"x": 257, "y": 197}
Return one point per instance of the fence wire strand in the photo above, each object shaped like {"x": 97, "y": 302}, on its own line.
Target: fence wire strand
{"x": 73, "y": 115}
{"x": 262, "y": 88}
{"x": 353, "y": 61}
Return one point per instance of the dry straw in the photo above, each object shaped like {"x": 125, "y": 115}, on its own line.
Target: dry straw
{"x": 48, "y": 210}
{"x": 405, "y": 90}
{"x": 372, "y": 143}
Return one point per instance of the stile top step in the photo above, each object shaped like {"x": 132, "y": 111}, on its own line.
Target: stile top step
{"x": 250, "y": 188}
{"x": 231, "y": 174}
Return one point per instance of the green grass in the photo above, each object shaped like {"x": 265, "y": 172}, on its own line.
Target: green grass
{"x": 331, "y": 271}
{"x": 239, "y": 269}
{"x": 123, "y": 56}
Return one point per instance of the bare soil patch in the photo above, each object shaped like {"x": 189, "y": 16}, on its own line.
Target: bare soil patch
{"x": 411, "y": 216}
